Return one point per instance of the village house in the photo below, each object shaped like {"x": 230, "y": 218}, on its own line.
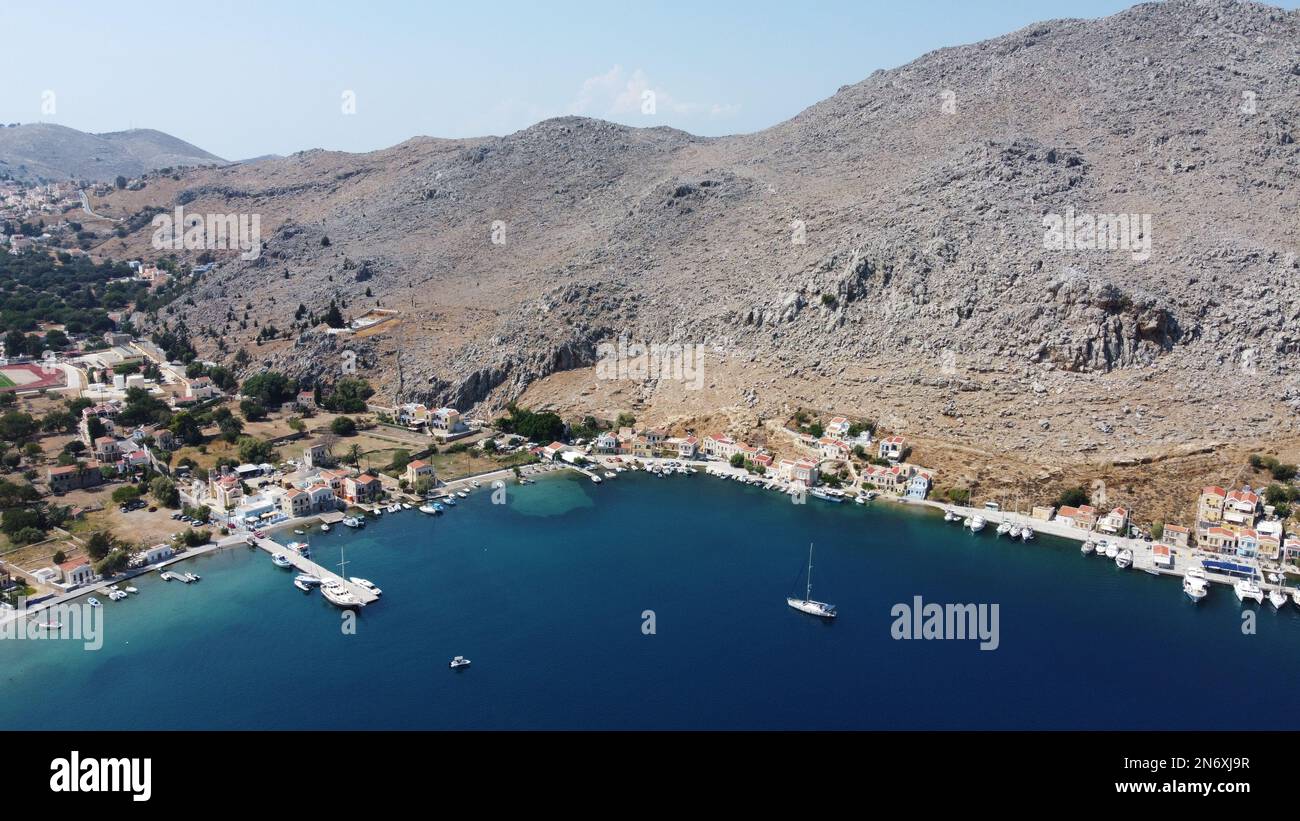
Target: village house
{"x": 107, "y": 450}
{"x": 1084, "y": 516}
{"x": 688, "y": 448}
{"x": 305, "y": 400}
{"x": 417, "y": 470}
{"x": 1209, "y": 507}
{"x": 322, "y": 497}
{"x": 225, "y": 491}
{"x": 606, "y": 443}
{"x": 315, "y": 456}
{"x": 892, "y": 448}
{"x": 831, "y": 448}
{"x": 1291, "y": 550}
{"x": 1042, "y": 513}
{"x": 838, "y": 427}
{"x": 1162, "y": 555}
{"x": 412, "y": 414}
{"x": 362, "y": 489}
{"x": 334, "y": 479}
{"x": 892, "y": 479}
{"x": 1219, "y": 540}
{"x": 1239, "y": 509}
{"x": 157, "y": 553}
{"x": 446, "y": 420}
{"x": 1176, "y": 535}
{"x": 1247, "y": 543}
{"x": 721, "y": 447}
{"x": 1269, "y": 533}
{"x": 763, "y": 460}
{"x": 62, "y": 478}
{"x": 918, "y": 487}
{"x": 803, "y": 470}
{"x": 200, "y": 388}
{"x": 553, "y": 450}
{"x": 1115, "y": 522}
{"x": 76, "y": 572}
{"x": 295, "y": 503}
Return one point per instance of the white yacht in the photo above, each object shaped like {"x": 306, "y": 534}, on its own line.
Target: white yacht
{"x": 1112, "y": 549}
{"x": 464, "y": 494}
{"x": 429, "y": 509}
{"x": 339, "y": 596}
{"x": 1275, "y": 597}
{"x": 1026, "y": 533}
{"x": 307, "y": 579}
{"x": 1124, "y": 559}
{"x": 1004, "y": 527}
{"x": 458, "y": 661}
{"x": 350, "y": 521}
{"x": 807, "y": 604}
{"x": 1195, "y": 588}
{"x": 281, "y": 560}
{"x": 395, "y": 508}
{"x": 367, "y": 584}
{"x": 1014, "y": 532}
{"x": 1196, "y": 572}
{"x": 977, "y": 523}
{"x": 1086, "y": 547}
{"x": 1248, "y": 589}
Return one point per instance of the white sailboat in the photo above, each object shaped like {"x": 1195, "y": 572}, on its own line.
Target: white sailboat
{"x": 1086, "y": 547}
{"x": 977, "y": 523}
{"x": 1248, "y": 589}
{"x": 1004, "y": 527}
{"x": 1124, "y": 559}
{"x": 1277, "y": 598}
{"x": 1112, "y": 549}
{"x": 807, "y": 604}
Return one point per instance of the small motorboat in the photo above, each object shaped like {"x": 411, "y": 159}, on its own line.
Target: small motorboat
{"x": 118, "y": 595}
{"x": 301, "y": 585}
{"x": 132, "y": 590}
{"x": 324, "y": 528}
{"x": 451, "y": 500}
{"x": 462, "y": 494}
{"x": 307, "y": 579}
{"x": 1086, "y": 547}
{"x": 406, "y": 506}
{"x": 299, "y": 532}
{"x": 1124, "y": 559}
{"x": 429, "y": 509}
{"x": 93, "y": 602}
{"x": 367, "y": 584}
{"x": 281, "y": 560}
{"x": 458, "y": 661}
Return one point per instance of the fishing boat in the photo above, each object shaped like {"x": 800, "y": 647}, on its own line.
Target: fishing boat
{"x": 118, "y": 595}
{"x": 307, "y": 579}
{"x": 395, "y": 508}
{"x": 367, "y": 584}
{"x": 301, "y": 586}
{"x": 451, "y": 500}
{"x": 1124, "y": 559}
{"x": 131, "y": 590}
{"x": 93, "y": 602}
{"x": 458, "y": 661}
{"x": 825, "y": 495}
{"x": 807, "y": 604}
{"x": 350, "y": 521}
{"x": 166, "y": 575}
{"x": 429, "y": 509}
{"x": 1195, "y": 588}
{"x": 299, "y": 532}
{"x": 406, "y": 506}
{"x": 192, "y": 577}
{"x": 281, "y": 560}
{"x": 977, "y": 523}
{"x": 1277, "y": 598}
{"x": 1086, "y": 547}
{"x": 1248, "y": 589}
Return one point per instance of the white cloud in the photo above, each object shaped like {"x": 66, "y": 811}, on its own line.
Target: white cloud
{"x": 618, "y": 93}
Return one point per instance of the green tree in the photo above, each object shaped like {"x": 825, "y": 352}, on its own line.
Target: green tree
{"x": 1073, "y": 497}
{"x": 164, "y": 490}
{"x": 252, "y": 410}
{"x": 255, "y": 451}
{"x": 344, "y": 426}
{"x": 99, "y": 544}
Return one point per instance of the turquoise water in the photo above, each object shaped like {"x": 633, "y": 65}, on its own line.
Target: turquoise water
{"x": 546, "y": 593}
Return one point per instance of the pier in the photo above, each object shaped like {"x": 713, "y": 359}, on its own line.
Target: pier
{"x": 305, "y": 565}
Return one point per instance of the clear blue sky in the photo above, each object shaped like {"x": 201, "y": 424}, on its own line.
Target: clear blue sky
{"x": 242, "y": 79}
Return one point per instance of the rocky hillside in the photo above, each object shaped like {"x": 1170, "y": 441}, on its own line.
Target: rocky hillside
{"x": 884, "y": 253}
{"x": 48, "y": 152}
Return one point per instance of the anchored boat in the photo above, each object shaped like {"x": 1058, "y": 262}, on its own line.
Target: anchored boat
{"x": 807, "y": 604}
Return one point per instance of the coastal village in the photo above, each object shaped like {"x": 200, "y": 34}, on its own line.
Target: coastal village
{"x": 114, "y": 435}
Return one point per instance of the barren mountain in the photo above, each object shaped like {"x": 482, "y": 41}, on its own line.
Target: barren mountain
{"x": 884, "y": 254}
{"x": 48, "y": 152}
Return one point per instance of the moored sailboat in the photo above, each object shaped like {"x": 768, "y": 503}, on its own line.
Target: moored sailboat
{"x": 807, "y": 604}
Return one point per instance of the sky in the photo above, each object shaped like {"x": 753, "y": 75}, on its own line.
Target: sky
{"x": 244, "y": 79}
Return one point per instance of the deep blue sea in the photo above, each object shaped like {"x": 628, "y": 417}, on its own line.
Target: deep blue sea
{"x": 546, "y": 594}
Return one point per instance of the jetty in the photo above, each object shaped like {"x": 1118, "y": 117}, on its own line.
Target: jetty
{"x": 305, "y": 565}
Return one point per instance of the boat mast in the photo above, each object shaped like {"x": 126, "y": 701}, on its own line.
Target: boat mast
{"x": 343, "y": 563}
{"x": 807, "y": 596}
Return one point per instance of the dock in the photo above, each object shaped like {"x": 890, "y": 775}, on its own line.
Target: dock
{"x": 305, "y": 565}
